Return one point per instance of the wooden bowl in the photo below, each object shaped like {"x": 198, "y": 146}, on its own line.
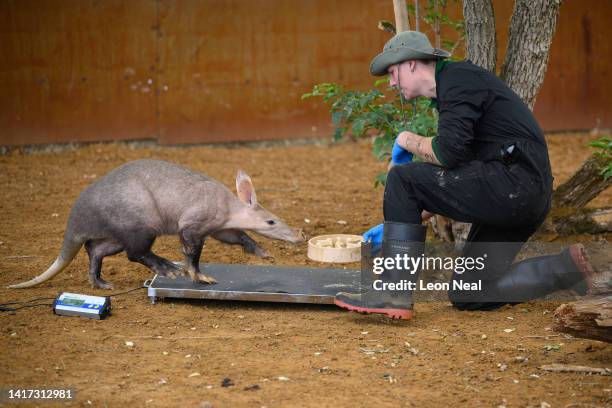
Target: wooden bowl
{"x": 338, "y": 248}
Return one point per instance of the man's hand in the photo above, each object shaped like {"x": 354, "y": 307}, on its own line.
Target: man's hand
{"x": 374, "y": 234}
{"x": 399, "y": 155}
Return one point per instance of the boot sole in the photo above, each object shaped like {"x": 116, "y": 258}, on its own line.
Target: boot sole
{"x": 581, "y": 260}
{"x": 400, "y": 314}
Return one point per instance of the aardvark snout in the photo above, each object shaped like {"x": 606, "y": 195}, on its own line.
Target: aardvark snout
{"x": 299, "y": 235}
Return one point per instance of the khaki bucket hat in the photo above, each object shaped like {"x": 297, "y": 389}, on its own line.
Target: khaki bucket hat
{"x": 407, "y": 45}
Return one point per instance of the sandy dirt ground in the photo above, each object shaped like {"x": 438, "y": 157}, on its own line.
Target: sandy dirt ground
{"x": 275, "y": 355}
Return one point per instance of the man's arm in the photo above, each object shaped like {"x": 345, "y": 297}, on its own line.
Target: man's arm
{"x": 419, "y": 145}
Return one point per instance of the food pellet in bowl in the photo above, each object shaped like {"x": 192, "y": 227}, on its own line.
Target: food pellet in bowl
{"x": 335, "y": 248}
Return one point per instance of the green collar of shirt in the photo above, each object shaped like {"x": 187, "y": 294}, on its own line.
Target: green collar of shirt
{"x": 440, "y": 64}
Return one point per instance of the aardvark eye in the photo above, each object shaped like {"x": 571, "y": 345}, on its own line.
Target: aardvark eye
{"x": 271, "y": 222}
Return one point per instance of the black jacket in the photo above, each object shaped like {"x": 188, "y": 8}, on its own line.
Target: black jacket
{"x": 479, "y": 115}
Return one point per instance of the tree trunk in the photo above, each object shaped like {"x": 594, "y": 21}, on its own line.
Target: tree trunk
{"x": 532, "y": 28}
{"x": 436, "y": 8}
{"x": 481, "y": 40}
{"x": 417, "y": 24}
{"x": 583, "y": 186}
{"x": 401, "y": 16}
{"x": 590, "y": 318}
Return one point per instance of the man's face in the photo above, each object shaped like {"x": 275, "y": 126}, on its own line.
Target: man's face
{"x": 402, "y": 76}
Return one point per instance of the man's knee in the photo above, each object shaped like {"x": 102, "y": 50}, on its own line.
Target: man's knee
{"x": 400, "y": 175}
{"x": 392, "y": 176}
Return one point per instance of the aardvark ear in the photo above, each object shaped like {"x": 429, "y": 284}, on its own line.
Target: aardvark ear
{"x": 245, "y": 189}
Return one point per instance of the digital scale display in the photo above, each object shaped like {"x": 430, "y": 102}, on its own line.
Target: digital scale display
{"x": 74, "y": 304}
{"x": 73, "y": 301}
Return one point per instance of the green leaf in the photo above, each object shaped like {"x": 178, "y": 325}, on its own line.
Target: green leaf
{"x": 358, "y": 128}
{"x": 606, "y": 172}
{"x": 604, "y": 143}
{"x": 384, "y": 80}
{"x": 338, "y": 133}
{"x": 337, "y": 117}
{"x": 381, "y": 179}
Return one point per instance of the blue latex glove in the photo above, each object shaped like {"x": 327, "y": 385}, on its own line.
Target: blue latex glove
{"x": 374, "y": 234}
{"x": 399, "y": 155}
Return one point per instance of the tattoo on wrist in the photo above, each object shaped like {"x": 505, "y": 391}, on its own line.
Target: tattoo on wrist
{"x": 431, "y": 158}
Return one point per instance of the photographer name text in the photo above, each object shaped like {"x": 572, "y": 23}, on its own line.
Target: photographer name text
{"x": 421, "y": 285}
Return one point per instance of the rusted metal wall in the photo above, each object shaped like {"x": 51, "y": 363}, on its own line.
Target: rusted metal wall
{"x": 235, "y": 70}
{"x": 224, "y": 70}
{"x": 76, "y": 70}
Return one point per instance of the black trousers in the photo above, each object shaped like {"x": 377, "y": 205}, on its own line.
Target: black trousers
{"x": 505, "y": 203}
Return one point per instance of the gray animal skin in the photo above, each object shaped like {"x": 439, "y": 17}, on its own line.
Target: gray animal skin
{"x": 131, "y": 206}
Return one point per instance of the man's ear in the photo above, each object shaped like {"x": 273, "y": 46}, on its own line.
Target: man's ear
{"x": 245, "y": 189}
{"x": 412, "y": 65}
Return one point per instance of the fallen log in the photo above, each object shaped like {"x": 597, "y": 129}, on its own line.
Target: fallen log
{"x": 586, "y": 184}
{"x": 589, "y": 318}
{"x": 571, "y": 221}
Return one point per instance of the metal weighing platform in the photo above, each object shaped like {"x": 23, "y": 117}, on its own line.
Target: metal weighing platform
{"x": 259, "y": 283}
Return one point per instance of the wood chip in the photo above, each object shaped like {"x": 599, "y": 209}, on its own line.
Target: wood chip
{"x": 564, "y": 368}
{"x": 373, "y": 351}
{"x": 542, "y": 337}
